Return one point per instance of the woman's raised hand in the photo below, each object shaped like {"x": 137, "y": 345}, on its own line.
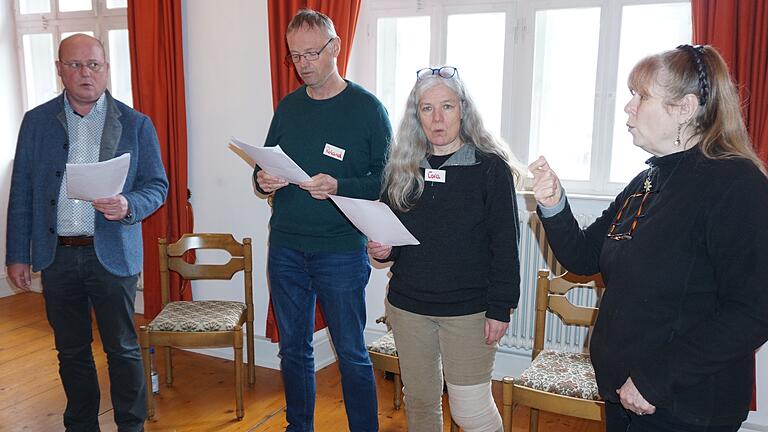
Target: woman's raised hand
{"x": 546, "y": 185}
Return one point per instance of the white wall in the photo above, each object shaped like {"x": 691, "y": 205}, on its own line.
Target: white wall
{"x": 10, "y": 119}
{"x": 758, "y": 420}
{"x": 229, "y": 94}
{"x": 228, "y": 85}
{"x": 226, "y": 56}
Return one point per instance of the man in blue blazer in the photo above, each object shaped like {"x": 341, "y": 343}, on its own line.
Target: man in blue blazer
{"x": 90, "y": 253}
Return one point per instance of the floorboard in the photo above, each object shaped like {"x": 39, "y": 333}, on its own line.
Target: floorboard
{"x": 201, "y": 399}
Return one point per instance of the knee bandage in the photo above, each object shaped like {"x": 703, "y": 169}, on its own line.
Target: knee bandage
{"x": 473, "y": 408}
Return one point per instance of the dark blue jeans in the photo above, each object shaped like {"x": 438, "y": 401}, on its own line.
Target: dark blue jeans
{"x": 617, "y": 419}
{"x": 73, "y": 285}
{"x": 337, "y": 280}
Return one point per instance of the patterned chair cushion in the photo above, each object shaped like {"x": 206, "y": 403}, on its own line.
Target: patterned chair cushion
{"x": 198, "y": 316}
{"x": 563, "y": 373}
{"x": 384, "y": 345}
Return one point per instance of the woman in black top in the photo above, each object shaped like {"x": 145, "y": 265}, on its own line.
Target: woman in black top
{"x": 450, "y": 297}
{"x": 683, "y": 251}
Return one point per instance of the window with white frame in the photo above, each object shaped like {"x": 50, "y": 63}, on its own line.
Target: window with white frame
{"x": 549, "y": 76}
{"x": 42, "y": 24}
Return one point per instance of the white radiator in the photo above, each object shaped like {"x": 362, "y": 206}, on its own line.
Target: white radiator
{"x": 534, "y": 255}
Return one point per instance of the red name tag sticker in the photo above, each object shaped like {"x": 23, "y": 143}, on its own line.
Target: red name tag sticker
{"x": 434, "y": 175}
{"x": 334, "y": 152}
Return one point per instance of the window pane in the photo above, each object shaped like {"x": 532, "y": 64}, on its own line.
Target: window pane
{"x": 65, "y": 35}
{"x": 40, "y": 72}
{"x": 479, "y": 57}
{"x": 115, "y": 4}
{"x": 671, "y": 27}
{"x": 564, "y": 74}
{"x": 34, "y": 6}
{"x": 75, "y": 5}
{"x": 120, "y": 66}
{"x": 402, "y": 47}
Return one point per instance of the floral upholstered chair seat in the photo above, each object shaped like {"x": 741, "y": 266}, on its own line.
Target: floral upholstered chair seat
{"x": 198, "y": 316}
{"x": 384, "y": 345}
{"x": 563, "y": 373}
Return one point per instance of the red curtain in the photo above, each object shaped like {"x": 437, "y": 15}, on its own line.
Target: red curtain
{"x": 344, "y": 14}
{"x": 157, "y": 75}
{"x": 739, "y": 31}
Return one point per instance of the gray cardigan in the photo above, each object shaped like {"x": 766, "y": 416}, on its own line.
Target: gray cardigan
{"x": 41, "y": 155}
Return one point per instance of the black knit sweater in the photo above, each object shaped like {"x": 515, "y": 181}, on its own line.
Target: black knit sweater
{"x": 686, "y": 302}
{"x": 467, "y": 261}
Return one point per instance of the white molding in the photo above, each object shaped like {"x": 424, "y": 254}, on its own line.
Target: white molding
{"x": 510, "y": 363}
{"x": 753, "y": 427}
{"x": 138, "y": 303}
{"x": 266, "y": 352}
{"x": 5, "y": 288}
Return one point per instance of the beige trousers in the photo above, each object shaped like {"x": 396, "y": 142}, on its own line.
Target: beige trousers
{"x": 431, "y": 347}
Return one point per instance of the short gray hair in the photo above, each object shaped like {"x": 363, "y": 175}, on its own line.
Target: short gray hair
{"x": 311, "y": 19}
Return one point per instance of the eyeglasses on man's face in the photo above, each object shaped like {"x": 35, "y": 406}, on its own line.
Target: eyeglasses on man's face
{"x": 443, "y": 72}
{"x": 77, "y": 66}
{"x": 309, "y": 55}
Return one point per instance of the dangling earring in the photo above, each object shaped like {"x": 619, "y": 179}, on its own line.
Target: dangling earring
{"x": 677, "y": 140}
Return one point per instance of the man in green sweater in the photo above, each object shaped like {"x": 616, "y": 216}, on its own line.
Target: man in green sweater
{"x": 338, "y": 133}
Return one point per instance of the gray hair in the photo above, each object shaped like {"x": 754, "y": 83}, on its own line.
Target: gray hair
{"x": 403, "y": 183}
{"x": 311, "y": 19}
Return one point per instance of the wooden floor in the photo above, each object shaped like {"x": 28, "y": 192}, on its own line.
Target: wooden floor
{"x": 202, "y": 399}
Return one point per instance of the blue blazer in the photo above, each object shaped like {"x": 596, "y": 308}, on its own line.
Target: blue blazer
{"x": 41, "y": 155}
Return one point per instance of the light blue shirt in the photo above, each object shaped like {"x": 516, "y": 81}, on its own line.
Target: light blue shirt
{"x": 76, "y": 217}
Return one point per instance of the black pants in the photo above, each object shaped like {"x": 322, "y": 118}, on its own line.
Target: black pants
{"x": 618, "y": 419}
{"x": 74, "y": 284}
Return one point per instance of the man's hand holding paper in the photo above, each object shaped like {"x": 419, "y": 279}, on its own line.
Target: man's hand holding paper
{"x": 114, "y": 208}
{"x": 278, "y": 165}
{"x": 269, "y": 183}
{"x": 92, "y": 181}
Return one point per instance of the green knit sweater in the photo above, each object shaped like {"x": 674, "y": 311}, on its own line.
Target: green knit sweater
{"x": 354, "y": 121}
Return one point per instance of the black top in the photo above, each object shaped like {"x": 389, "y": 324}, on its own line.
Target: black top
{"x": 467, "y": 261}
{"x": 686, "y": 302}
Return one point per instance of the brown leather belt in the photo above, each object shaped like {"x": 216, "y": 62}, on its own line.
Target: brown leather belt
{"x": 76, "y": 241}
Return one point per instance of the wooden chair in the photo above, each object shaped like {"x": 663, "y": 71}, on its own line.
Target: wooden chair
{"x": 202, "y": 324}
{"x": 557, "y": 382}
{"x": 383, "y": 354}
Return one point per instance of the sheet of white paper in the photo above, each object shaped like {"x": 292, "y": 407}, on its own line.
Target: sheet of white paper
{"x": 274, "y": 161}
{"x": 97, "y": 180}
{"x": 376, "y": 220}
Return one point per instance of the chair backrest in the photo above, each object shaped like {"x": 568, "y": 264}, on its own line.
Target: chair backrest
{"x": 551, "y": 296}
{"x": 172, "y": 259}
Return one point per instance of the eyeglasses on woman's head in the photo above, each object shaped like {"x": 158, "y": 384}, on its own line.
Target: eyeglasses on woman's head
{"x": 442, "y": 72}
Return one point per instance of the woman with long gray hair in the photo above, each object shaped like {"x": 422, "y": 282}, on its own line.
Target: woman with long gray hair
{"x": 451, "y": 183}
